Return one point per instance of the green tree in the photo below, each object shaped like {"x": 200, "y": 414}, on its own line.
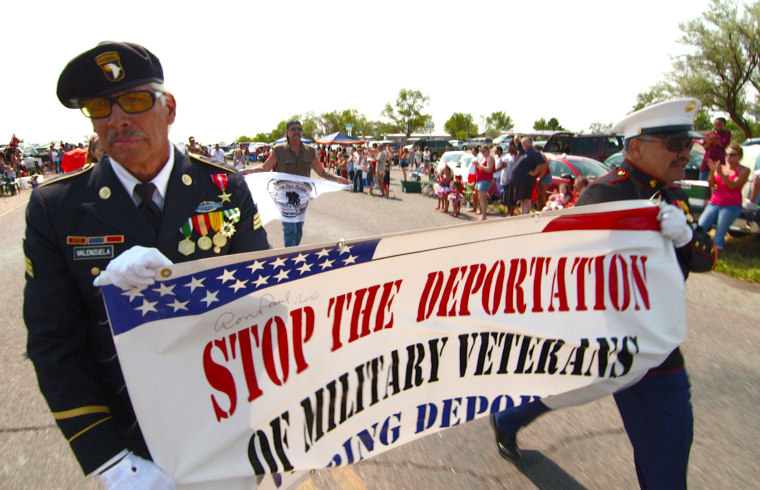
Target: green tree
{"x": 308, "y": 123}
{"x": 654, "y": 95}
{"x": 407, "y": 113}
{"x": 724, "y": 63}
{"x": 331, "y": 122}
{"x": 703, "y": 121}
{"x": 497, "y": 123}
{"x": 244, "y": 139}
{"x": 600, "y": 127}
{"x": 460, "y": 126}
{"x": 552, "y": 124}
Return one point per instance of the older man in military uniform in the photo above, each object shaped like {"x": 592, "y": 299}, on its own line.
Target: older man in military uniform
{"x": 656, "y": 411}
{"x": 144, "y": 205}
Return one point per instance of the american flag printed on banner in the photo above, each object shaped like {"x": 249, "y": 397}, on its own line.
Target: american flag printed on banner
{"x": 216, "y": 287}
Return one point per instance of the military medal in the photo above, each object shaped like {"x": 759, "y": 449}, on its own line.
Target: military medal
{"x": 186, "y": 246}
{"x": 231, "y": 216}
{"x": 217, "y": 220}
{"x": 220, "y": 181}
{"x": 201, "y": 225}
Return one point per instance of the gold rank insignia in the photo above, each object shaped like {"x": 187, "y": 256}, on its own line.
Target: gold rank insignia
{"x": 28, "y": 266}
{"x": 653, "y": 183}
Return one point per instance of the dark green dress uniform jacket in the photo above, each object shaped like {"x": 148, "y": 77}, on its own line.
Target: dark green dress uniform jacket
{"x": 628, "y": 182}
{"x": 69, "y": 338}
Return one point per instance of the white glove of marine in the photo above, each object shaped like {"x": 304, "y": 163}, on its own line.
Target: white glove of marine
{"x": 136, "y": 473}
{"x": 673, "y": 225}
{"x": 134, "y": 268}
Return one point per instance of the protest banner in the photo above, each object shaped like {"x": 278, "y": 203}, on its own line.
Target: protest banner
{"x": 286, "y": 196}
{"x": 320, "y": 356}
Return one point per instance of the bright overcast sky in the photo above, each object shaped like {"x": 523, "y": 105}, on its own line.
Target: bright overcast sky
{"x": 238, "y": 68}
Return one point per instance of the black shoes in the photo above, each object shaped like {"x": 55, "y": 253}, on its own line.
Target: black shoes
{"x": 506, "y": 445}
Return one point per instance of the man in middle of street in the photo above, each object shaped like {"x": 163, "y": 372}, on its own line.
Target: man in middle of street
{"x": 294, "y": 157}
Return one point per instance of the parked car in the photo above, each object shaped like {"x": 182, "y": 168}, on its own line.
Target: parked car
{"x": 456, "y": 144}
{"x": 436, "y": 147}
{"x": 596, "y": 146}
{"x": 476, "y": 143}
{"x": 462, "y": 167}
{"x": 565, "y": 168}
{"x": 450, "y": 159}
{"x": 692, "y": 168}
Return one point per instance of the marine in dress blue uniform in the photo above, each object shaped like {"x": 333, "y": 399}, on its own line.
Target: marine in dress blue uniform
{"x": 656, "y": 411}
{"x": 79, "y": 222}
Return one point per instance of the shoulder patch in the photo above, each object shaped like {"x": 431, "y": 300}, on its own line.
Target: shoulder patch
{"x": 212, "y": 162}
{"x": 70, "y": 175}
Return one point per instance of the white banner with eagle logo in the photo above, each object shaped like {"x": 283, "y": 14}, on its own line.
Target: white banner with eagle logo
{"x": 271, "y": 362}
{"x": 286, "y": 196}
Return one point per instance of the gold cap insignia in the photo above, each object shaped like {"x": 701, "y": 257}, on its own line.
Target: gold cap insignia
{"x": 110, "y": 63}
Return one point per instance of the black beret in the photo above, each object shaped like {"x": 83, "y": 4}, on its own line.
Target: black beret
{"x": 109, "y": 67}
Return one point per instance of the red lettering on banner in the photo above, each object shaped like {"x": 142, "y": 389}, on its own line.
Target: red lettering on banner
{"x": 492, "y": 287}
{"x": 220, "y": 378}
{"x": 620, "y": 292}
{"x": 616, "y": 281}
{"x": 272, "y": 346}
{"x": 559, "y": 291}
{"x": 471, "y": 286}
{"x": 538, "y": 274}
{"x": 365, "y": 311}
{"x": 599, "y": 274}
{"x": 449, "y": 293}
{"x": 430, "y": 294}
{"x": 639, "y": 279}
{"x": 515, "y": 296}
{"x": 580, "y": 264}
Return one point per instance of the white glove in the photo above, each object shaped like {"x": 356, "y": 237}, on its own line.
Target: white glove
{"x": 136, "y": 473}
{"x": 134, "y": 268}
{"x": 673, "y": 225}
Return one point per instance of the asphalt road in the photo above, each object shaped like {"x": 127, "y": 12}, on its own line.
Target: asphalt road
{"x": 580, "y": 447}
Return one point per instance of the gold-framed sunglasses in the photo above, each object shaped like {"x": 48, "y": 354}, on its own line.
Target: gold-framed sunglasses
{"x": 130, "y": 102}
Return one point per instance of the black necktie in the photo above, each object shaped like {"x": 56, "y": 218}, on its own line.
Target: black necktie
{"x": 147, "y": 207}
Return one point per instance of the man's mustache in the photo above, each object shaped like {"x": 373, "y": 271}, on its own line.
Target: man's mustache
{"x": 124, "y": 132}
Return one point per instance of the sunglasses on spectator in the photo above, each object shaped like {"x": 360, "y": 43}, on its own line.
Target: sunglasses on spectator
{"x": 131, "y": 103}
{"x": 732, "y": 153}
{"x": 673, "y": 145}
{"x": 295, "y": 128}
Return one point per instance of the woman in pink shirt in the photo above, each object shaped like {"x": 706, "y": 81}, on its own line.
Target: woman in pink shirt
{"x": 726, "y": 181}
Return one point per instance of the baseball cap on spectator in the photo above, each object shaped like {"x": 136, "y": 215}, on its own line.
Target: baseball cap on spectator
{"x": 107, "y": 68}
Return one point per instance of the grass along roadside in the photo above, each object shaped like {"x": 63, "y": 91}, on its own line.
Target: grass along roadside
{"x": 741, "y": 258}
